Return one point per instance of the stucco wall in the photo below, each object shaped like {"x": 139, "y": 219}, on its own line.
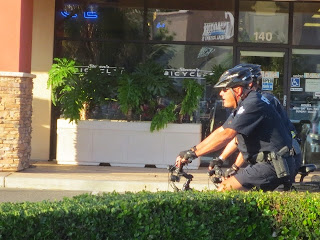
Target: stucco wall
{"x": 42, "y": 55}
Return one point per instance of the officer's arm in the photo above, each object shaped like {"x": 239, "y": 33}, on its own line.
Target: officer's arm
{"x": 215, "y": 141}
{"x": 229, "y": 149}
{"x": 240, "y": 160}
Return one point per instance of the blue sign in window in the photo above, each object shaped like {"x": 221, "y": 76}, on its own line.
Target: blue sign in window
{"x": 267, "y": 84}
{"x": 87, "y": 14}
{"x": 295, "y": 82}
{"x": 161, "y": 25}
{"x": 66, "y": 14}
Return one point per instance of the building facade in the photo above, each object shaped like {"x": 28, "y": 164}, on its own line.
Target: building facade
{"x": 186, "y": 37}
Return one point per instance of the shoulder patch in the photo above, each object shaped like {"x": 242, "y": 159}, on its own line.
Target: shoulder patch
{"x": 266, "y": 100}
{"x": 241, "y": 110}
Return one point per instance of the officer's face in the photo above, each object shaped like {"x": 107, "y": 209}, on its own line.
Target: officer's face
{"x": 229, "y": 99}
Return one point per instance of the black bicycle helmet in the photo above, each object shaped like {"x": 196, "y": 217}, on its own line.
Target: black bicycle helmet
{"x": 235, "y": 77}
{"x": 254, "y": 68}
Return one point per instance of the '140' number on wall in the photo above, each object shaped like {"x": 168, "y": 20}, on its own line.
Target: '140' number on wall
{"x": 262, "y": 36}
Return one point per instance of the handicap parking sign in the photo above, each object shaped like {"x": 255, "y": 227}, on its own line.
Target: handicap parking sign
{"x": 295, "y": 82}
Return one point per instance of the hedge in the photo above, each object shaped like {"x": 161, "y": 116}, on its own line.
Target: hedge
{"x": 166, "y": 215}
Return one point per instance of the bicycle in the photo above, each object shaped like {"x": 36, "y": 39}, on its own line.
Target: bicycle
{"x": 216, "y": 176}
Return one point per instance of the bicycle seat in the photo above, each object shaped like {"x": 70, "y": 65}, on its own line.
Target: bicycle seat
{"x": 307, "y": 168}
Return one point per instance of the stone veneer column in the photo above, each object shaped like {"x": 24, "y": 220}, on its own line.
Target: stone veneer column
{"x": 15, "y": 120}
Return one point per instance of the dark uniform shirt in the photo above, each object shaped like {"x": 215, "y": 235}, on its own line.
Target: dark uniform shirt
{"x": 259, "y": 126}
{"x": 277, "y": 105}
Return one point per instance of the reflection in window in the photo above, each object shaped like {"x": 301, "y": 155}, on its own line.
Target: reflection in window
{"x": 272, "y": 66}
{"x": 306, "y": 24}
{"x": 101, "y": 53}
{"x": 305, "y": 83}
{"x": 263, "y": 22}
{"x": 190, "y": 56}
{"x": 191, "y": 25}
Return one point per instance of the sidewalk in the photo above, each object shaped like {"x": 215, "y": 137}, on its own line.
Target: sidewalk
{"x": 51, "y": 176}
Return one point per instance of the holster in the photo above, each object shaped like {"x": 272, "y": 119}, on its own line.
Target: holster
{"x": 278, "y": 160}
{"x": 280, "y": 163}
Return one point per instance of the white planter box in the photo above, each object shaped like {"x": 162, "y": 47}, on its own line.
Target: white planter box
{"x": 94, "y": 142}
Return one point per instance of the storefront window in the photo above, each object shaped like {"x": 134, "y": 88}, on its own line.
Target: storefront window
{"x": 98, "y": 21}
{"x": 202, "y": 57}
{"x": 200, "y": 63}
{"x": 210, "y": 22}
{"x": 306, "y": 24}
{"x": 272, "y": 66}
{"x": 305, "y": 101}
{"x": 113, "y": 54}
{"x": 305, "y": 83}
{"x": 191, "y": 25}
{"x": 263, "y": 22}
{"x": 192, "y": 61}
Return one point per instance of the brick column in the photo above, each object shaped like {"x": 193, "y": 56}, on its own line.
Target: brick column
{"x": 15, "y": 120}
{"x": 15, "y": 84}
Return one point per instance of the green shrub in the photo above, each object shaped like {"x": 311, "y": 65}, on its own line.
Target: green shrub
{"x": 166, "y": 215}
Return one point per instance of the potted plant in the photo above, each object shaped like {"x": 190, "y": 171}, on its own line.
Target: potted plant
{"x": 140, "y": 90}
{"x": 76, "y": 93}
{"x": 125, "y": 143}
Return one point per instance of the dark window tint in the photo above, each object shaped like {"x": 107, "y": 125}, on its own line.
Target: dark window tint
{"x": 306, "y": 24}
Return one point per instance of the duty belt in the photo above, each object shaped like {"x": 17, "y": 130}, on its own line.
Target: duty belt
{"x": 268, "y": 156}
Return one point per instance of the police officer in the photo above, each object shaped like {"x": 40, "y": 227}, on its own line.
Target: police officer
{"x": 231, "y": 147}
{"x": 261, "y": 136}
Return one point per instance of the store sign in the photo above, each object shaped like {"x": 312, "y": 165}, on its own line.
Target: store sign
{"x": 311, "y": 75}
{"x": 104, "y": 69}
{"x": 270, "y": 74}
{"x": 187, "y": 73}
{"x": 221, "y": 30}
{"x": 172, "y": 73}
{"x": 312, "y": 85}
{"x": 305, "y": 108}
{"x": 267, "y": 84}
{"x": 295, "y": 89}
{"x": 317, "y": 94}
{"x": 87, "y": 15}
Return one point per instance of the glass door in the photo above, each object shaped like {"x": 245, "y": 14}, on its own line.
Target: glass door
{"x": 274, "y": 71}
{"x": 305, "y": 101}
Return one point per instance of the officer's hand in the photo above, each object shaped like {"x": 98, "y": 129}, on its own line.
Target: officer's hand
{"x": 180, "y": 162}
{"x": 188, "y": 155}
{"x": 231, "y": 171}
{"x": 214, "y": 162}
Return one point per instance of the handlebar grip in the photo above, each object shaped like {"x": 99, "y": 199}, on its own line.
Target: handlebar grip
{"x": 211, "y": 172}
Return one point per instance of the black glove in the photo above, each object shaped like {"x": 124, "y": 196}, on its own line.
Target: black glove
{"x": 231, "y": 171}
{"x": 216, "y": 161}
{"x": 188, "y": 155}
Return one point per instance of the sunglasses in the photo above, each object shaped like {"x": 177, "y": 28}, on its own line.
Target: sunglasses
{"x": 224, "y": 89}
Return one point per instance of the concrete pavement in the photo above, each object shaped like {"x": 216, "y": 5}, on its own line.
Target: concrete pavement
{"x": 48, "y": 175}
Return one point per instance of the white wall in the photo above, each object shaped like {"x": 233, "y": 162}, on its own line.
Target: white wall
{"x": 42, "y": 55}
{"x": 131, "y": 144}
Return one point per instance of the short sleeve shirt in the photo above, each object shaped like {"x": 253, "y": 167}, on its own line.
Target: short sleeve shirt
{"x": 277, "y": 105}
{"x": 259, "y": 126}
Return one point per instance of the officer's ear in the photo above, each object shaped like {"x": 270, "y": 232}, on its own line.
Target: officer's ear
{"x": 238, "y": 91}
